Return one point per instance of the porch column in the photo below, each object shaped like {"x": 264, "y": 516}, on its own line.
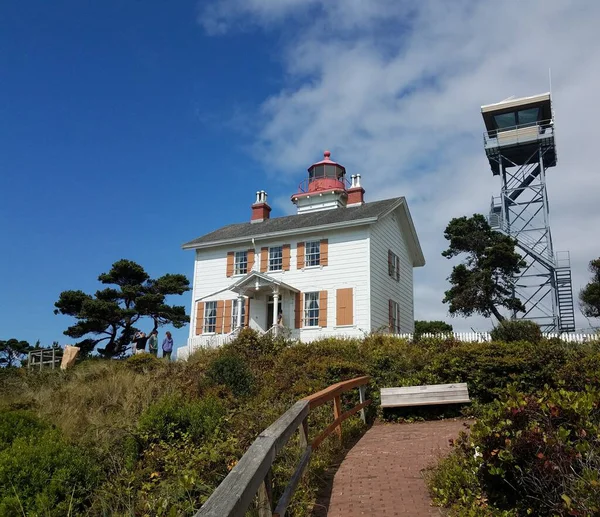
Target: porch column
{"x": 240, "y": 306}
{"x": 275, "y": 312}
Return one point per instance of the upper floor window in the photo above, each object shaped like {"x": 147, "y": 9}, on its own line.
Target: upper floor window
{"x": 312, "y": 253}
{"x": 311, "y": 309}
{"x": 276, "y": 258}
{"x": 393, "y": 265}
{"x": 240, "y": 264}
{"x": 210, "y": 317}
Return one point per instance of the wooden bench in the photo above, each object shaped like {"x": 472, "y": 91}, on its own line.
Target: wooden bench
{"x": 456, "y": 393}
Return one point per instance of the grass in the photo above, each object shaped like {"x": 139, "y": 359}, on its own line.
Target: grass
{"x": 161, "y": 445}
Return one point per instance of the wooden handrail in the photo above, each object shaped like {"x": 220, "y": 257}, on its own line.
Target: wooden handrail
{"x": 252, "y": 474}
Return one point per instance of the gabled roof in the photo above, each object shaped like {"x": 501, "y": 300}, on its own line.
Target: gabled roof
{"x": 310, "y": 222}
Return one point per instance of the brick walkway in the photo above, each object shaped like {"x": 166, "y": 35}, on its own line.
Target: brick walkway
{"x": 381, "y": 475}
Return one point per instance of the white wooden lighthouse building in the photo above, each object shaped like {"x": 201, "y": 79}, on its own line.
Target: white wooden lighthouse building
{"x": 339, "y": 266}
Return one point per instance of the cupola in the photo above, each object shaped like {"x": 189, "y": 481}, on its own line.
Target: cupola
{"x": 325, "y": 187}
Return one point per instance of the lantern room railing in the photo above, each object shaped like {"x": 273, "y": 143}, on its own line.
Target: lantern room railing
{"x": 323, "y": 183}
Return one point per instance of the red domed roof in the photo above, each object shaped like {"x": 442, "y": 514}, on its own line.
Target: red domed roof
{"x": 326, "y": 161}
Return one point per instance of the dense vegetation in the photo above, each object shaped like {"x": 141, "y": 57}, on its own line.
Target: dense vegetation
{"x": 146, "y": 437}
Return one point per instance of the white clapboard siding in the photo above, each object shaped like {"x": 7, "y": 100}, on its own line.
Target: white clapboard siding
{"x": 386, "y": 235}
{"x": 425, "y": 395}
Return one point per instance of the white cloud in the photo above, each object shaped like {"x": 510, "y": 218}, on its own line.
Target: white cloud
{"x": 394, "y": 90}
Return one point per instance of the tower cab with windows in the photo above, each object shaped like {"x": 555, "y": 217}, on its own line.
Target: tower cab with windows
{"x": 516, "y": 127}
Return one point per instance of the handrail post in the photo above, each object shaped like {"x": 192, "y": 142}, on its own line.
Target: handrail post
{"x": 362, "y": 390}
{"x": 303, "y": 430}
{"x": 337, "y": 411}
{"x": 265, "y": 496}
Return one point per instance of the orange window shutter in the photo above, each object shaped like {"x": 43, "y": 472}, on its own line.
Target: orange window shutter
{"x": 323, "y": 309}
{"x": 264, "y": 259}
{"x": 344, "y": 307}
{"x": 300, "y": 255}
{"x": 286, "y": 257}
{"x": 199, "y": 318}
{"x": 250, "y": 260}
{"x": 298, "y": 311}
{"x": 220, "y": 308}
{"x": 227, "y": 317}
{"x": 247, "y": 314}
{"x": 324, "y": 252}
{"x": 230, "y": 255}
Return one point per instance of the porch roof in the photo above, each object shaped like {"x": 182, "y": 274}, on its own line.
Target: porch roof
{"x": 258, "y": 281}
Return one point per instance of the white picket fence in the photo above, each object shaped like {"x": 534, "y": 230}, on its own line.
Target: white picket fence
{"x": 482, "y": 337}
{"x": 468, "y": 337}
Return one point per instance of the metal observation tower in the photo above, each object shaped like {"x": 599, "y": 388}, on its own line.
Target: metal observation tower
{"x": 520, "y": 145}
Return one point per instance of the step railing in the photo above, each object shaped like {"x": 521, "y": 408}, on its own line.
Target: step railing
{"x": 252, "y": 475}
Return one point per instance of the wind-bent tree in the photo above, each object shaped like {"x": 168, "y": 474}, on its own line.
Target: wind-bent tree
{"x": 13, "y": 352}
{"x": 111, "y": 314}
{"x": 482, "y": 284}
{"x": 589, "y": 296}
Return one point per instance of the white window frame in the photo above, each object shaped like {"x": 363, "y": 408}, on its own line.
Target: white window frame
{"x": 395, "y": 266}
{"x": 312, "y": 253}
{"x": 395, "y": 318}
{"x": 240, "y": 263}
{"x": 275, "y": 258}
{"x": 234, "y": 314}
{"x": 210, "y": 321}
{"x": 311, "y": 309}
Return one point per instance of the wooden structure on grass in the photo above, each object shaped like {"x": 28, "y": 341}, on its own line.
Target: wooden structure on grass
{"x": 44, "y": 358}
{"x": 252, "y": 474}
{"x": 456, "y": 393}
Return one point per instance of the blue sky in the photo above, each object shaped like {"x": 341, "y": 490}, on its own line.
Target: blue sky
{"x": 115, "y": 142}
{"x": 128, "y": 128}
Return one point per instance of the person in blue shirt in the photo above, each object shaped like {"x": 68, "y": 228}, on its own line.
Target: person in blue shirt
{"x": 167, "y": 346}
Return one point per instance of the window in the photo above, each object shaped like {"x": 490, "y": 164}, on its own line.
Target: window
{"x": 311, "y": 309}
{"x": 505, "y": 120}
{"x": 394, "y": 317}
{"x": 312, "y": 253}
{"x": 234, "y": 312}
{"x": 210, "y": 317}
{"x": 393, "y": 265}
{"x": 240, "y": 263}
{"x": 276, "y": 258}
{"x": 528, "y": 116}
{"x": 525, "y": 117}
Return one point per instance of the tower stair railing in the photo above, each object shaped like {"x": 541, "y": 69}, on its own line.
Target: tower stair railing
{"x": 564, "y": 290}
{"x": 530, "y": 245}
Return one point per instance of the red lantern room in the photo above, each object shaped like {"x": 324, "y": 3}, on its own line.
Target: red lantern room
{"x": 326, "y": 175}
{"x": 326, "y": 186}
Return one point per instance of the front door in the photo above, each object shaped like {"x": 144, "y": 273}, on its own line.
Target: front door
{"x": 270, "y": 303}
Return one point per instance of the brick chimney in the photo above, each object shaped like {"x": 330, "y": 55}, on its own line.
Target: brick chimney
{"x": 356, "y": 193}
{"x": 260, "y": 209}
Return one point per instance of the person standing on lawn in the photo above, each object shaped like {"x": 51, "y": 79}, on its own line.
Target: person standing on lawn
{"x": 167, "y": 346}
{"x": 153, "y": 343}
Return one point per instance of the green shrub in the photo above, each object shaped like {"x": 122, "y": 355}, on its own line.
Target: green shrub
{"x": 41, "y": 474}
{"x": 517, "y": 330}
{"x": 19, "y": 424}
{"x": 231, "y": 371}
{"x": 173, "y": 417}
{"x": 143, "y": 363}
{"x": 533, "y": 454}
{"x": 488, "y": 368}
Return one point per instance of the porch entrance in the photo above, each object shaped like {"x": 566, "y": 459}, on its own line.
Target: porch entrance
{"x": 270, "y": 303}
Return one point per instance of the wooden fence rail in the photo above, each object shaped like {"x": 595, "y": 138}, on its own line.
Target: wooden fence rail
{"x": 252, "y": 475}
